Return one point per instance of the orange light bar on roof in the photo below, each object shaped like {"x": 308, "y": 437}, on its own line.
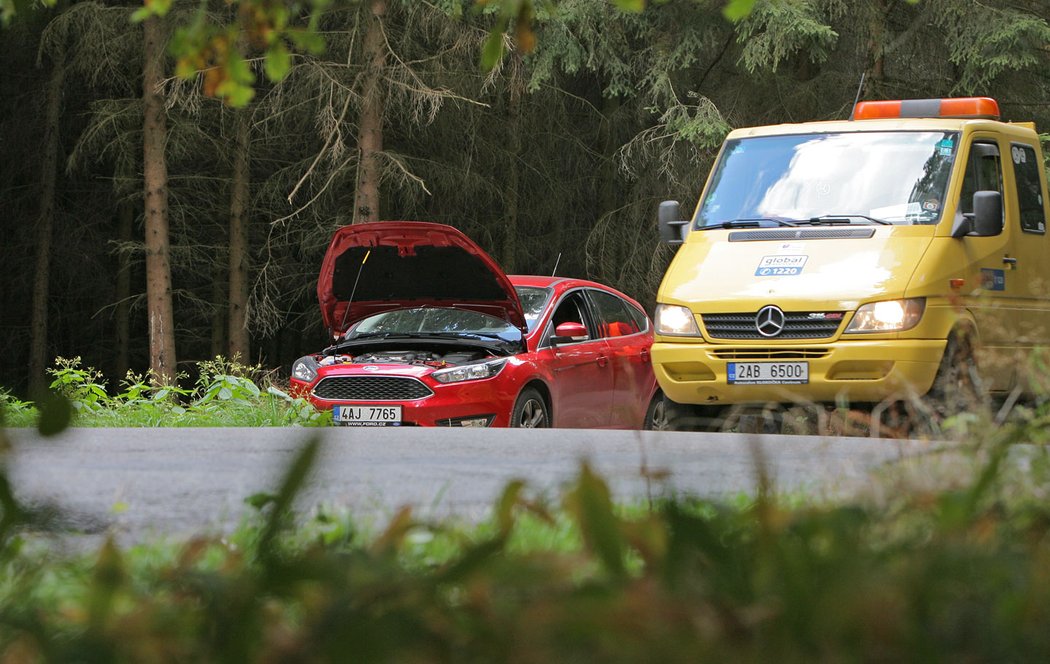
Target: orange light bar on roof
{"x": 958, "y": 107}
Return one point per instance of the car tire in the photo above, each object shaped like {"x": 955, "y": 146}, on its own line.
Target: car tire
{"x": 957, "y": 387}
{"x": 530, "y": 411}
{"x": 658, "y": 415}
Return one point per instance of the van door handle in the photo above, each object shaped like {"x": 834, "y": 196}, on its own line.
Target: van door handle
{"x": 1007, "y": 260}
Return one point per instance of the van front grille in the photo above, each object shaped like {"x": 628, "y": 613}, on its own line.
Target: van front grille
{"x": 797, "y": 325}
{"x": 770, "y": 353}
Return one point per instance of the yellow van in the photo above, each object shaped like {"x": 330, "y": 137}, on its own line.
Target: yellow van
{"x": 900, "y": 253}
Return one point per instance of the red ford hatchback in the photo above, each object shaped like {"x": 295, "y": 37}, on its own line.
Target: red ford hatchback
{"x": 429, "y": 331}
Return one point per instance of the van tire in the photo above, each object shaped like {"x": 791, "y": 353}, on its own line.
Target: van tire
{"x": 957, "y": 387}
{"x": 530, "y": 411}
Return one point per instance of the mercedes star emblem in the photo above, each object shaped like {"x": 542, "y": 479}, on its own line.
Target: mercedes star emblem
{"x": 769, "y": 321}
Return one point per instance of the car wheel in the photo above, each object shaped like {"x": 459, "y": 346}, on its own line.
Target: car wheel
{"x": 530, "y": 411}
{"x": 658, "y": 415}
{"x": 957, "y": 387}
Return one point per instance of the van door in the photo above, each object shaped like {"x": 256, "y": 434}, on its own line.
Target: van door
{"x": 991, "y": 265}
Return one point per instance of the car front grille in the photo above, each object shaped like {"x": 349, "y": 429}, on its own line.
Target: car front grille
{"x": 371, "y": 388}
{"x": 797, "y": 325}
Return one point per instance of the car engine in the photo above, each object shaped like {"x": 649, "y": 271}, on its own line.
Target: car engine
{"x": 418, "y": 357}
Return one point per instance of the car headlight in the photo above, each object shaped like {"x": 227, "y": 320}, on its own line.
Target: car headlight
{"x": 676, "y": 320}
{"x": 469, "y": 372}
{"x": 305, "y": 369}
{"x": 888, "y": 316}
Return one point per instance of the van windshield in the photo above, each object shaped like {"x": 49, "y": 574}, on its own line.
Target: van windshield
{"x": 897, "y": 177}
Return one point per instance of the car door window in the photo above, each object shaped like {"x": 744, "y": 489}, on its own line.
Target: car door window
{"x": 614, "y": 319}
{"x": 571, "y": 309}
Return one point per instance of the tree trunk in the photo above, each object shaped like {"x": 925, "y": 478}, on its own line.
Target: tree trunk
{"x": 220, "y": 318}
{"x": 155, "y": 175}
{"x": 370, "y": 130}
{"x": 38, "y": 359}
{"x": 239, "y": 200}
{"x": 513, "y": 184}
{"x": 122, "y": 315}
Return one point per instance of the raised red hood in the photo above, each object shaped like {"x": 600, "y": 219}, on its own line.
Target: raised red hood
{"x": 387, "y": 265}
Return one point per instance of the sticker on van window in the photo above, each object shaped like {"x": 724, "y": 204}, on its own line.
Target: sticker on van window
{"x": 780, "y": 266}
{"x": 945, "y": 147}
{"x": 993, "y": 280}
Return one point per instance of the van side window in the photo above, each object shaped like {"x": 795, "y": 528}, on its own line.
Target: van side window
{"x": 1028, "y": 174}
{"x": 983, "y": 173}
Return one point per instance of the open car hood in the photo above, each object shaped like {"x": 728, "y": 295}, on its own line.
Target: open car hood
{"x": 388, "y": 265}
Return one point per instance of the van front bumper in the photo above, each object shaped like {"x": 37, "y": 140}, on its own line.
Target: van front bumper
{"x": 858, "y": 371}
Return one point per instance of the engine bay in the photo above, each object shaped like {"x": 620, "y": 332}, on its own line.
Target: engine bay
{"x": 419, "y": 357}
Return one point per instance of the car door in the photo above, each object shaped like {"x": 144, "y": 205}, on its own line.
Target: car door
{"x": 582, "y": 388}
{"x": 629, "y": 356}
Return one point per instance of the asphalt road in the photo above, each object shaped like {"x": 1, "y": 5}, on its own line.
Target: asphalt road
{"x": 141, "y": 483}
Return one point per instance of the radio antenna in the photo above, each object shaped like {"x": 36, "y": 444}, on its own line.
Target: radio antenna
{"x": 860, "y": 87}
{"x": 555, "y": 271}
{"x": 353, "y": 291}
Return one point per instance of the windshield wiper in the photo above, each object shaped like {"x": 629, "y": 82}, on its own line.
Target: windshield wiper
{"x": 460, "y": 335}
{"x": 749, "y": 222}
{"x": 831, "y": 219}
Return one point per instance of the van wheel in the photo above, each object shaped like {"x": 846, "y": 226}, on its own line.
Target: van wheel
{"x": 658, "y": 415}
{"x": 957, "y": 387}
{"x": 530, "y": 411}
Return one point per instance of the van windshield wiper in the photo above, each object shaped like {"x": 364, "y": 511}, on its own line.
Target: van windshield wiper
{"x": 831, "y": 219}
{"x": 748, "y": 222}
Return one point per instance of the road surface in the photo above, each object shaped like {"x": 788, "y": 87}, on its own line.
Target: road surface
{"x": 142, "y": 483}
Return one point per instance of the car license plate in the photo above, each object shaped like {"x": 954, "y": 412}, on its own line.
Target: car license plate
{"x": 767, "y": 373}
{"x": 367, "y": 416}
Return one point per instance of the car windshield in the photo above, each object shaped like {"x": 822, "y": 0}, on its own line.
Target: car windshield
{"x": 533, "y": 299}
{"x": 442, "y": 321}
{"x": 897, "y": 177}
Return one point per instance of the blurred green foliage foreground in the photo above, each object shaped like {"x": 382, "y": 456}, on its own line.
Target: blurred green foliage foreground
{"x": 952, "y": 574}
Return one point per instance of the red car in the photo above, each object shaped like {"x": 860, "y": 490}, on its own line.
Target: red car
{"x": 429, "y": 331}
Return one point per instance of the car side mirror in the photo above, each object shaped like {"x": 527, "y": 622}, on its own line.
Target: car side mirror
{"x": 672, "y": 226}
{"x": 569, "y": 332}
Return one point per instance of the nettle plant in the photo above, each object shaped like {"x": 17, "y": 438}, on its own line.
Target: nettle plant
{"x": 226, "y": 392}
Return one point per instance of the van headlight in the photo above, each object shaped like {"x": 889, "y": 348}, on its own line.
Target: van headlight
{"x": 675, "y": 320}
{"x": 305, "y": 369}
{"x": 887, "y": 316}
{"x": 469, "y": 372}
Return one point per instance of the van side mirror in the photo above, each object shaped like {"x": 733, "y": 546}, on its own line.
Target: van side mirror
{"x": 987, "y": 213}
{"x": 986, "y": 219}
{"x": 672, "y": 226}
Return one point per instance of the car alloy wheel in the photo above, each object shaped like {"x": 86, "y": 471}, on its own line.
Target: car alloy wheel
{"x": 530, "y": 411}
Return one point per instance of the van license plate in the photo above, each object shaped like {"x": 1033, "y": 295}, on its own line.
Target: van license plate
{"x": 367, "y": 416}
{"x": 767, "y": 373}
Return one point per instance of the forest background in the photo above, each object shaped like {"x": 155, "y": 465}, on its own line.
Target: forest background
{"x": 556, "y": 156}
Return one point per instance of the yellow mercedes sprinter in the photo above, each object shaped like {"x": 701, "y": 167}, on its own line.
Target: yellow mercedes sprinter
{"x": 900, "y": 253}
